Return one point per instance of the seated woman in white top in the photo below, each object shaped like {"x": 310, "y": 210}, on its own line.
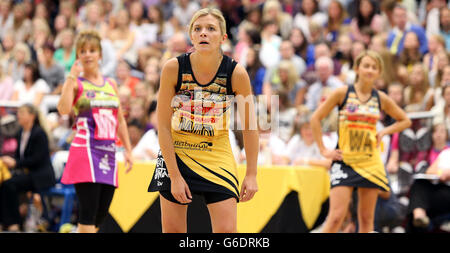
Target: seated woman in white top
{"x": 148, "y": 147}
{"x": 271, "y": 148}
{"x": 32, "y": 88}
{"x": 309, "y": 13}
{"x": 303, "y": 150}
{"x": 6, "y": 85}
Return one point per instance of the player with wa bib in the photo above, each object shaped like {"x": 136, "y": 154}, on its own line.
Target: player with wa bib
{"x": 356, "y": 160}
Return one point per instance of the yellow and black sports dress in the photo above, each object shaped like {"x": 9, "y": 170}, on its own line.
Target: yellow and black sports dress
{"x": 200, "y": 135}
{"x": 361, "y": 165}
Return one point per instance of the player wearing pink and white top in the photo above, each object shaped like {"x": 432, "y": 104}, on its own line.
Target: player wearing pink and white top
{"x": 91, "y": 165}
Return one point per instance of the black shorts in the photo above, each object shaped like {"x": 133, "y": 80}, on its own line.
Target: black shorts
{"x": 210, "y": 197}
{"x": 94, "y": 200}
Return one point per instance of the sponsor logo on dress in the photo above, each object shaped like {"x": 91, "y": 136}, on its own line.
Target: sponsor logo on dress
{"x": 351, "y": 107}
{"x": 160, "y": 173}
{"x": 202, "y": 146}
{"x": 110, "y": 148}
{"x": 337, "y": 174}
{"x": 160, "y": 170}
{"x": 104, "y": 164}
{"x": 90, "y": 94}
{"x": 104, "y": 103}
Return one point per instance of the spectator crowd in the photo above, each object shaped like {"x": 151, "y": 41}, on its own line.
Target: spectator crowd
{"x": 297, "y": 51}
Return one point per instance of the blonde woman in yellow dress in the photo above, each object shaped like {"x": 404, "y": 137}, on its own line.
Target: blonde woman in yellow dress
{"x": 356, "y": 160}
{"x": 193, "y": 115}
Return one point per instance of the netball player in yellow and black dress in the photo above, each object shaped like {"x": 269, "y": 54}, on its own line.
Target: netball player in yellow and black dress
{"x": 356, "y": 160}
{"x": 194, "y": 104}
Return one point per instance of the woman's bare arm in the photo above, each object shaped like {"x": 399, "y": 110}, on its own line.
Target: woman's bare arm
{"x": 390, "y": 107}
{"x": 336, "y": 98}
{"x": 246, "y": 108}
{"x": 164, "y": 111}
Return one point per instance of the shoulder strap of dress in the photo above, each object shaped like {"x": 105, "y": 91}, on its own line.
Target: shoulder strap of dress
{"x": 183, "y": 61}
{"x": 227, "y": 71}
{"x": 350, "y": 88}
{"x": 377, "y": 95}
{"x": 111, "y": 82}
